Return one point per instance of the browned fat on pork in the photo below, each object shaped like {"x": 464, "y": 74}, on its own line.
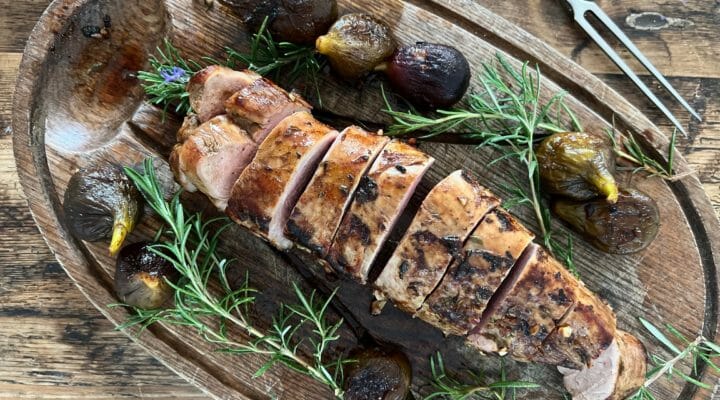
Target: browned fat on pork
{"x": 209, "y": 88}
{"x": 259, "y": 106}
{"x": 538, "y": 292}
{"x": 380, "y": 198}
{"x": 211, "y": 157}
{"x": 318, "y": 212}
{"x": 616, "y": 374}
{"x": 268, "y": 188}
{"x": 446, "y": 217}
{"x": 457, "y": 304}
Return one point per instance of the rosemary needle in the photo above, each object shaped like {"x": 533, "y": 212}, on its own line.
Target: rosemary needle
{"x": 190, "y": 243}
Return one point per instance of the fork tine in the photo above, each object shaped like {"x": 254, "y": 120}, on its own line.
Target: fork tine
{"x": 600, "y": 14}
{"x": 594, "y": 35}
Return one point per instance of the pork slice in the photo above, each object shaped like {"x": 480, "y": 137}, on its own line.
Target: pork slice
{"x": 211, "y": 158}
{"x": 259, "y": 106}
{"x": 188, "y": 127}
{"x": 381, "y": 196}
{"x": 209, "y": 88}
{"x": 457, "y": 304}
{"x": 538, "y": 292}
{"x": 266, "y": 191}
{"x": 317, "y": 214}
{"x": 585, "y": 332}
{"x": 446, "y": 217}
{"x": 617, "y": 373}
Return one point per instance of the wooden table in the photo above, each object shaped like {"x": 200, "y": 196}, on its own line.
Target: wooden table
{"x": 54, "y": 344}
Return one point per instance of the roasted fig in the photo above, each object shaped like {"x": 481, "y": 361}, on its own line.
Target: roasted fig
{"x": 101, "y": 203}
{"x": 296, "y": 21}
{"x": 355, "y": 44}
{"x": 429, "y": 75}
{"x": 141, "y": 277}
{"x": 627, "y": 226}
{"x": 379, "y": 374}
{"x": 577, "y": 165}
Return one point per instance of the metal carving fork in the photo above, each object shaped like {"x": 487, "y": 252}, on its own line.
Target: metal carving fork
{"x": 580, "y": 8}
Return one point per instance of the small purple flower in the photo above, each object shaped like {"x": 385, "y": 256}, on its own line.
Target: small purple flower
{"x": 172, "y": 74}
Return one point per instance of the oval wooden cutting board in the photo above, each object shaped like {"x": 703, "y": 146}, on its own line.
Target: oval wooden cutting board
{"x": 77, "y": 102}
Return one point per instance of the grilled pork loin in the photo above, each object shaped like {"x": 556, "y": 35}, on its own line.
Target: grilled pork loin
{"x": 615, "y": 374}
{"x": 267, "y": 189}
{"x": 380, "y": 198}
{"x": 538, "y": 294}
{"x": 261, "y": 105}
{"x": 211, "y": 156}
{"x": 318, "y": 212}
{"x": 506, "y": 295}
{"x": 209, "y": 88}
{"x": 446, "y": 217}
{"x": 456, "y": 306}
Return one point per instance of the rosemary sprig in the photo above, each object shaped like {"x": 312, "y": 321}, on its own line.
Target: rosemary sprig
{"x": 285, "y": 60}
{"x": 627, "y": 148}
{"x": 166, "y": 81}
{"x": 190, "y": 245}
{"x": 505, "y": 114}
{"x": 447, "y": 387}
{"x": 699, "y": 350}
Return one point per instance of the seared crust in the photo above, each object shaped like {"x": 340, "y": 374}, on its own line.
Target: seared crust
{"x": 259, "y": 106}
{"x": 257, "y": 193}
{"x": 457, "y": 304}
{"x": 585, "y": 332}
{"x": 380, "y": 198}
{"x": 211, "y": 86}
{"x": 318, "y": 212}
{"x": 633, "y": 365}
{"x": 437, "y": 233}
{"x": 542, "y": 295}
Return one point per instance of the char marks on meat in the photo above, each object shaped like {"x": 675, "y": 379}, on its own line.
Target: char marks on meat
{"x": 261, "y": 105}
{"x": 457, "y": 304}
{"x": 268, "y": 188}
{"x": 210, "y": 87}
{"x": 446, "y": 217}
{"x": 380, "y": 198}
{"x": 211, "y": 156}
{"x": 318, "y": 212}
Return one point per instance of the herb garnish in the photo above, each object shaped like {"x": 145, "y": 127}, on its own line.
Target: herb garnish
{"x": 700, "y": 350}
{"x": 627, "y": 148}
{"x": 190, "y": 244}
{"x": 449, "y": 388}
{"x": 506, "y": 115}
{"x": 166, "y": 82}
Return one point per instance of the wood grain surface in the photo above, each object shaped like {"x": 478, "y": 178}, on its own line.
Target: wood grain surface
{"x": 59, "y": 346}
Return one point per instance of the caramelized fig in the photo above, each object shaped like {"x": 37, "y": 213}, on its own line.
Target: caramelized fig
{"x": 100, "y": 203}
{"x": 378, "y": 374}
{"x": 296, "y": 21}
{"x": 577, "y": 165}
{"x": 627, "y": 226}
{"x": 355, "y": 44}
{"x": 141, "y": 277}
{"x": 429, "y": 75}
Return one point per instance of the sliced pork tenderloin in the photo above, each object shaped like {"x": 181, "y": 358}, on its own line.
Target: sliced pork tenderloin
{"x": 457, "y": 304}
{"x": 209, "y": 88}
{"x": 523, "y": 312}
{"x": 381, "y": 196}
{"x": 583, "y": 333}
{"x": 266, "y": 191}
{"x": 259, "y": 106}
{"x": 211, "y": 157}
{"x": 614, "y": 375}
{"x": 446, "y": 217}
{"x": 317, "y": 214}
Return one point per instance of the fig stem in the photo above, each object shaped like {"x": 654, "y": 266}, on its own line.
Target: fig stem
{"x": 122, "y": 226}
{"x": 382, "y": 67}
